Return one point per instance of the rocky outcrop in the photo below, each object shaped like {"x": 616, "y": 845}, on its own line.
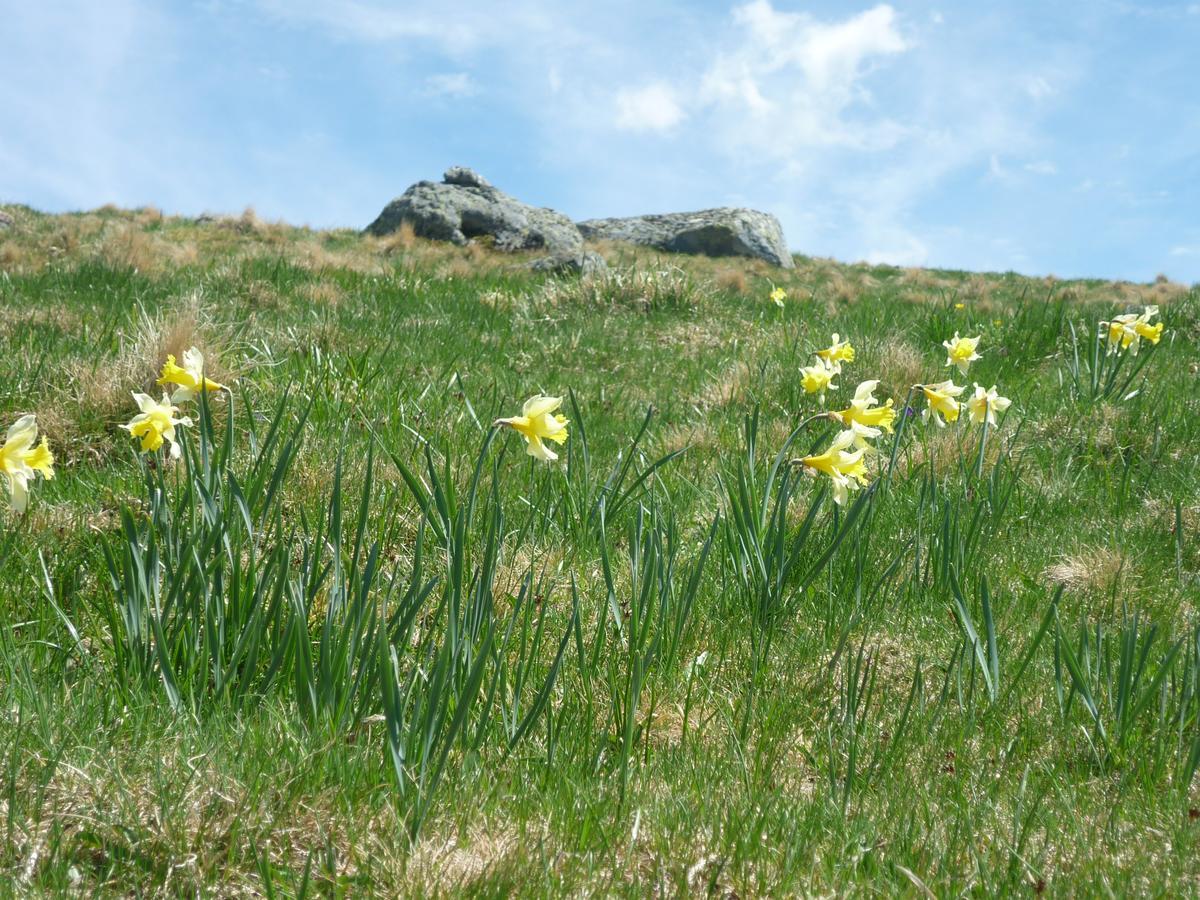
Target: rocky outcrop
{"x": 465, "y": 206}
{"x": 573, "y": 262}
{"x": 711, "y": 232}
{"x": 6, "y": 221}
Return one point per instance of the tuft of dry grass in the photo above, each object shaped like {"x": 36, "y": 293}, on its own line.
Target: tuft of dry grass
{"x": 902, "y": 366}
{"x": 732, "y": 280}
{"x": 1091, "y": 569}
{"x": 729, "y": 386}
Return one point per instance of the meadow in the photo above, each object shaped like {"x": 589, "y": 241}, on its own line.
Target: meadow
{"x": 355, "y": 640}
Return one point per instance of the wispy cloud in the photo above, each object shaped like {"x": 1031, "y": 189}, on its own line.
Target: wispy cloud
{"x": 653, "y": 107}
{"x": 451, "y": 84}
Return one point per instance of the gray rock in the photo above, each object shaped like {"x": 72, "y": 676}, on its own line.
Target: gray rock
{"x": 468, "y": 207}
{"x": 6, "y": 221}
{"x": 464, "y": 177}
{"x": 711, "y": 232}
{"x": 571, "y": 262}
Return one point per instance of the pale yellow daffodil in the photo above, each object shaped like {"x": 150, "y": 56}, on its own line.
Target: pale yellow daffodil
{"x": 189, "y": 378}
{"x": 861, "y": 410}
{"x": 537, "y": 423}
{"x": 20, "y": 460}
{"x": 863, "y": 435}
{"x": 846, "y": 469}
{"x": 985, "y": 404}
{"x": 155, "y": 423}
{"x": 837, "y": 353}
{"x": 777, "y": 296}
{"x": 961, "y": 351}
{"x": 818, "y": 379}
{"x": 1125, "y": 332}
{"x": 941, "y": 402}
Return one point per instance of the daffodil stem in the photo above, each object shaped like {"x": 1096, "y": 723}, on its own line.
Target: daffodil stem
{"x": 900, "y": 432}
{"x": 982, "y": 443}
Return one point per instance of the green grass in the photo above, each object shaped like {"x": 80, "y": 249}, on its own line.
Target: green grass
{"x": 356, "y": 641}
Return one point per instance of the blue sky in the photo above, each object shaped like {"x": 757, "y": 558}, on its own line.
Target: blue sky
{"x": 1042, "y": 137}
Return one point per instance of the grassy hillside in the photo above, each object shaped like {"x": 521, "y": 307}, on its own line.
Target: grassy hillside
{"x": 355, "y": 640}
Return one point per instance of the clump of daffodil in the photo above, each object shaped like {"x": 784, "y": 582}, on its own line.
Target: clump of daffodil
{"x": 155, "y": 423}
{"x": 961, "y": 351}
{"x": 818, "y": 379}
{"x": 940, "y": 402}
{"x": 837, "y": 353}
{"x": 777, "y": 296}
{"x": 539, "y": 422}
{"x": 1125, "y": 332}
{"x": 21, "y": 461}
{"x": 189, "y": 378}
{"x": 862, "y": 410}
{"x": 845, "y": 468}
{"x": 985, "y": 404}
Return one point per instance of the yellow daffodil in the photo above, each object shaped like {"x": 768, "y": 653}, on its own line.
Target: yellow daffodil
{"x": 1127, "y": 331}
{"x": 837, "y": 353}
{"x": 778, "y": 296}
{"x": 846, "y": 469}
{"x": 20, "y": 460}
{"x": 155, "y": 423}
{"x": 961, "y": 351}
{"x": 863, "y": 435}
{"x": 818, "y": 379}
{"x": 941, "y": 402}
{"x": 538, "y": 422}
{"x": 861, "y": 410}
{"x": 985, "y": 404}
{"x": 960, "y": 306}
{"x": 188, "y": 378}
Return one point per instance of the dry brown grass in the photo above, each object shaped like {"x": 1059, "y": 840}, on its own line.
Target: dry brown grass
{"x": 323, "y": 293}
{"x": 732, "y": 280}
{"x": 103, "y": 387}
{"x": 902, "y": 366}
{"x": 727, "y": 387}
{"x": 698, "y": 436}
{"x": 1096, "y": 570}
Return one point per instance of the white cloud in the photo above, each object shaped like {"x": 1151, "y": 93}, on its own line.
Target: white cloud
{"x": 907, "y": 250}
{"x": 1041, "y": 167}
{"x": 1038, "y": 87}
{"x": 790, "y": 80}
{"x": 1184, "y": 250}
{"x": 653, "y": 107}
{"x": 451, "y": 84}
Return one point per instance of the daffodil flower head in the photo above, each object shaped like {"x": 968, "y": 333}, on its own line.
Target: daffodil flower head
{"x": 941, "y": 402}
{"x": 539, "y": 422}
{"x": 818, "y": 379}
{"x": 961, "y": 351}
{"x": 189, "y": 378}
{"x": 845, "y": 468}
{"x": 837, "y": 353}
{"x": 777, "y": 296}
{"x": 21, "y": 460}
{"x": 156, "y": 423}
{"x": 861, "y": 410}
{"x": 985, "y": 404}
{"x": 1126, "y": 331}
